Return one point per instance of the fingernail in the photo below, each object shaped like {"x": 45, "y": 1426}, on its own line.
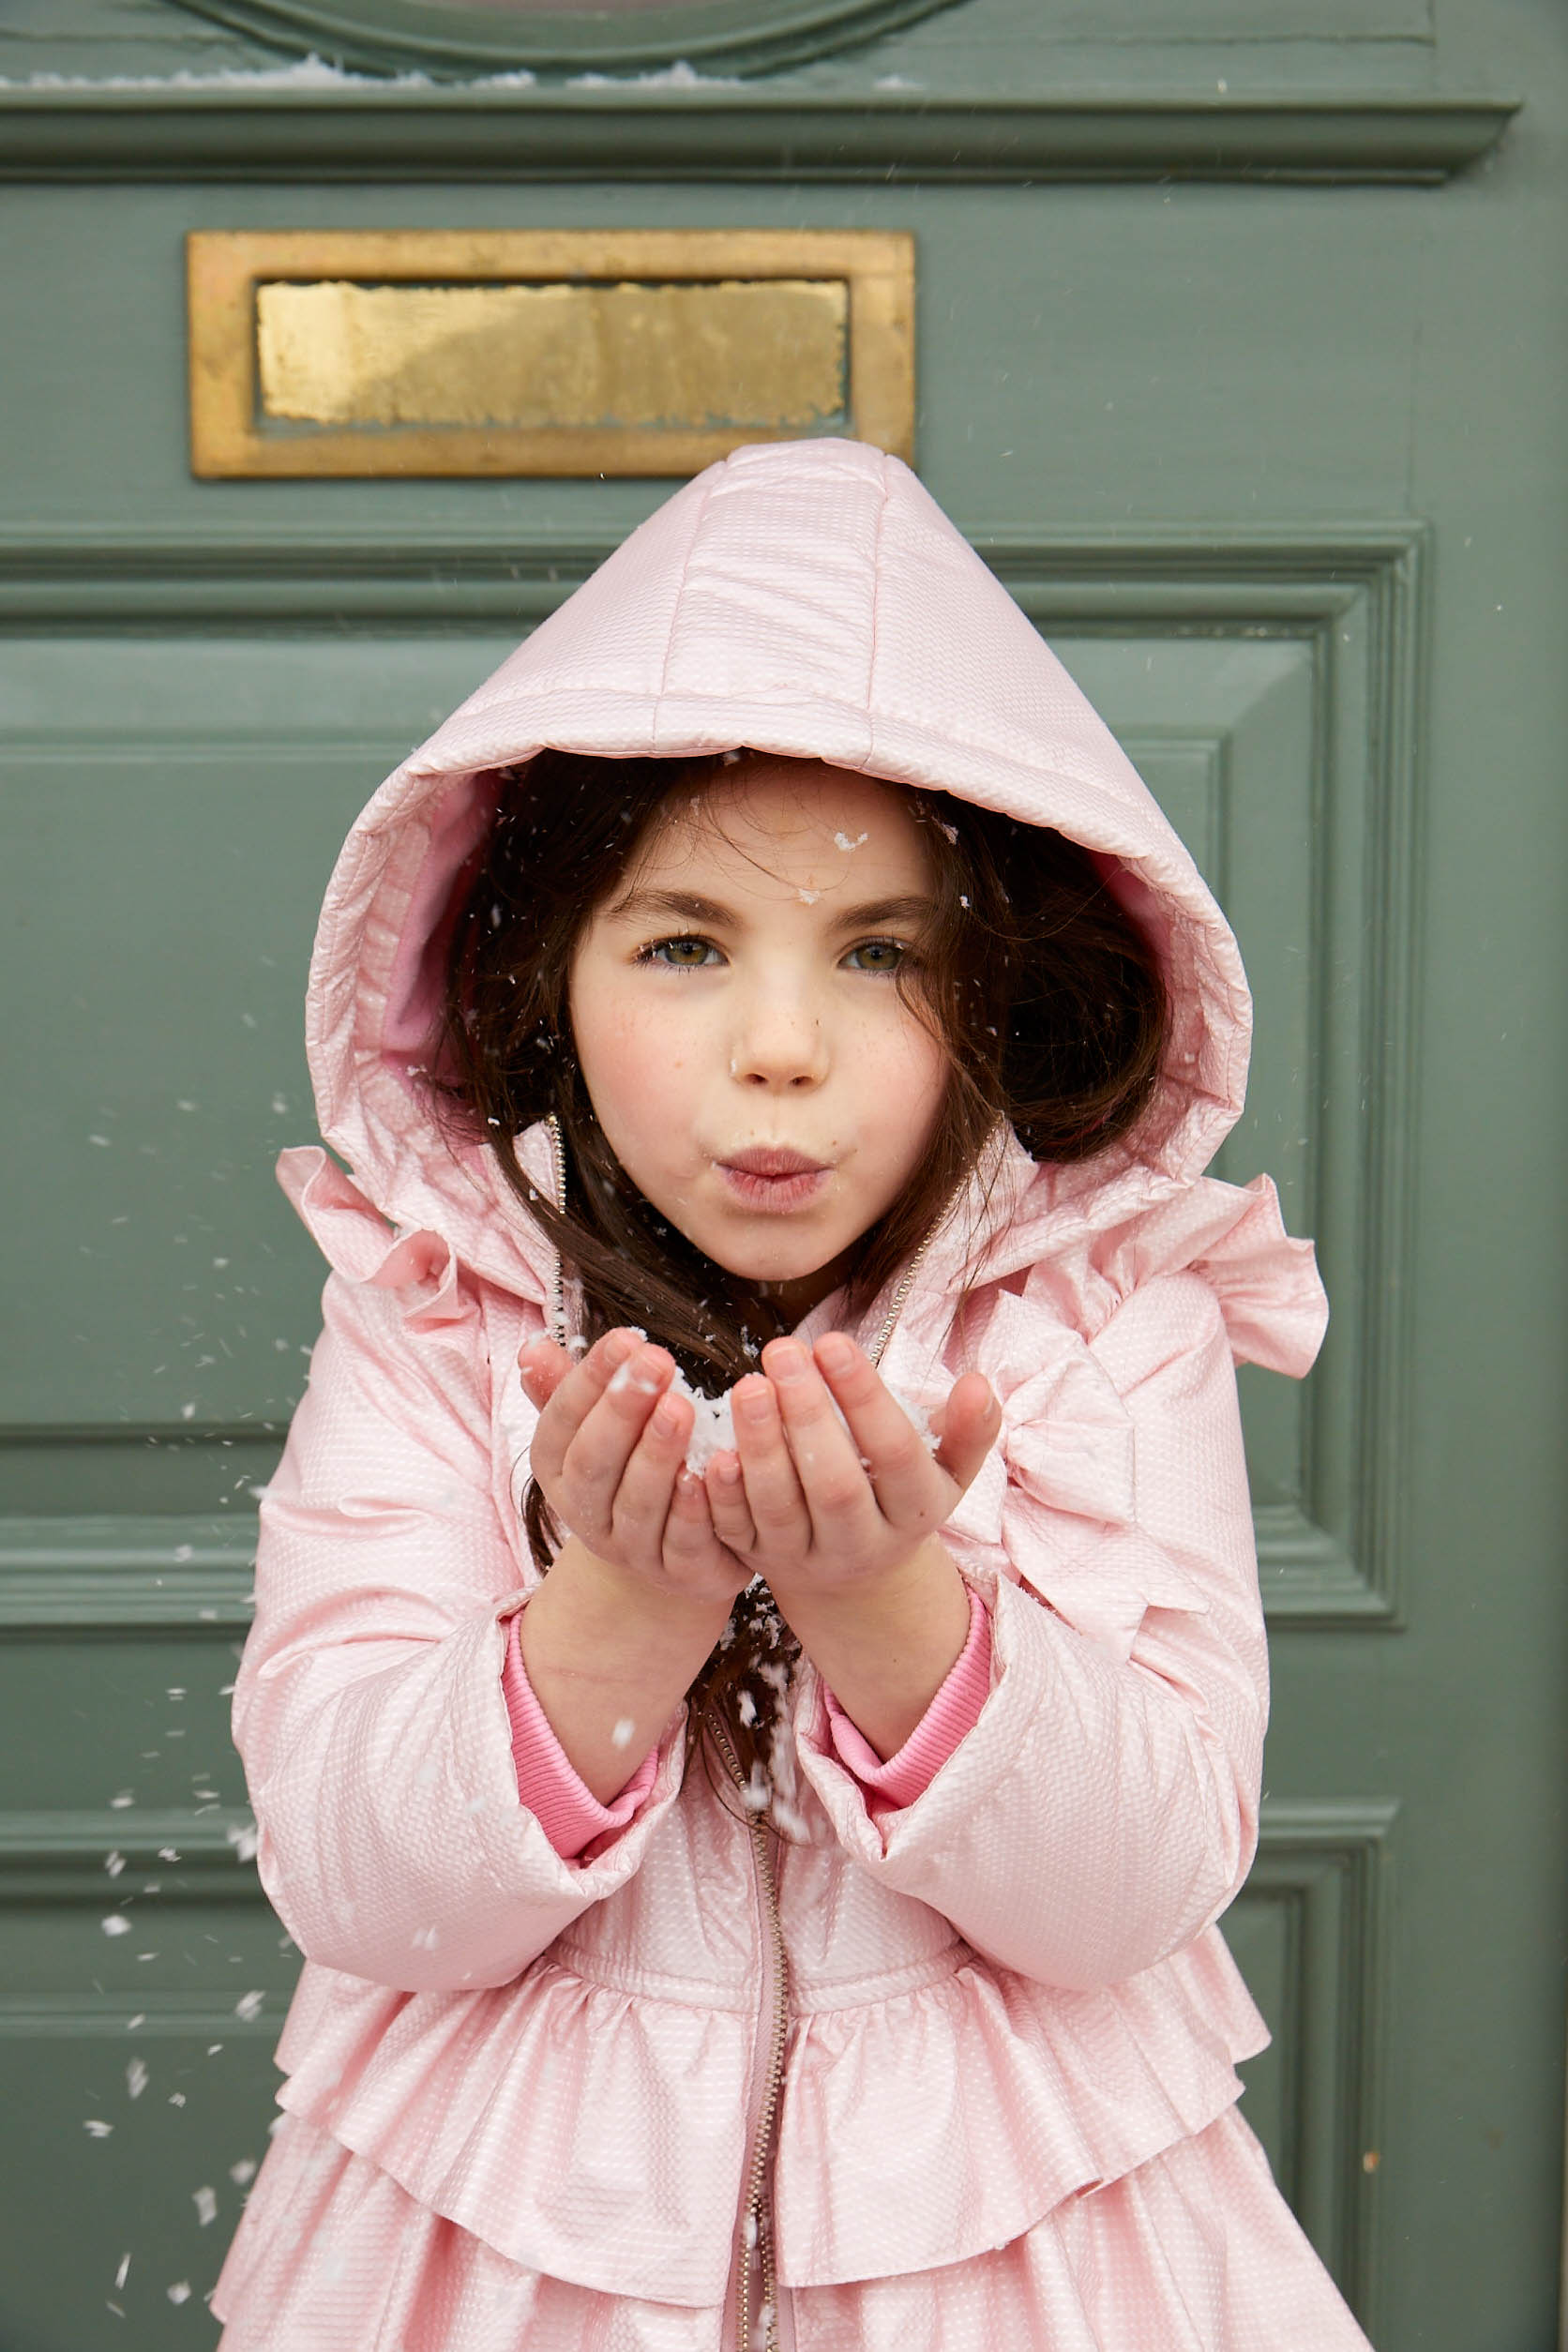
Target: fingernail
{"x": 727, "y": 1469}
{"x": 620, "y": 1345}
{"x": 787, "y": 1363}
{"x": 755, "y": 1403}
{"x": 666, "y": 1418}
{"x": 834, "y": 1351}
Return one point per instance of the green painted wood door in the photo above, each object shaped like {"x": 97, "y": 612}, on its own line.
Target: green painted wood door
{"x": 1240, "y": 353}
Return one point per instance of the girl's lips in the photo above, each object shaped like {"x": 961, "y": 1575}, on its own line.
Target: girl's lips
{"x": 774, "y": 1180}
{"x": 762, "y": 1159}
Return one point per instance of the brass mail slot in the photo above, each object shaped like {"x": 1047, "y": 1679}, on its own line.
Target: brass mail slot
{"x": 565, "y": 352}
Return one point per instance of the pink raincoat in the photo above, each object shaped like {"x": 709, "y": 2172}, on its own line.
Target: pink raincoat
{"x": 525, "y": 2095}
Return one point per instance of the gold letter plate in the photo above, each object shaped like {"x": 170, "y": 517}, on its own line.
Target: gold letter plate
{"x": 576, "y": 352}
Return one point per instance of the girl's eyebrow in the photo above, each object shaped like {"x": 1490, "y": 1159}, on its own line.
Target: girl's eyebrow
{"x": 683, "y": 903}
{"x": 872, "y": 913}
{"x": 688, "y": 907}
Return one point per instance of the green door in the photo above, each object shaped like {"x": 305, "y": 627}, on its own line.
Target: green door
{"x": 1240, "y": 353}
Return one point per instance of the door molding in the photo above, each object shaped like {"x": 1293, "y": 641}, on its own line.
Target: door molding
{"x": 262, "y": 130}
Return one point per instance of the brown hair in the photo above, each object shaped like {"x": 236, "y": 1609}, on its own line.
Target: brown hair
{"x": 1043, "y": 990}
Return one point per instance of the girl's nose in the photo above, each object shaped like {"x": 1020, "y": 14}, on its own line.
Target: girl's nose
{"x": 781, "y": 1044}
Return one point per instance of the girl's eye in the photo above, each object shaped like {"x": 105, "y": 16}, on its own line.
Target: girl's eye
{"x": 877, "y": 954}
{"x": 686, "y": 954}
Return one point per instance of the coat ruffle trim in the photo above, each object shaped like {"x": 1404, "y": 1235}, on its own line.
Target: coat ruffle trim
{"x": 436, "y": 1281}
{"x": 1059, "y": 1486}
{"x": 584, "y": 2131}
{"x": 595, "y": 2135}
{"x": 1267, "y": 1283}
{"x": 1081, "y": 1248}
{"x": 1046, "y": 2093}
{"x": 359, "y": 1243}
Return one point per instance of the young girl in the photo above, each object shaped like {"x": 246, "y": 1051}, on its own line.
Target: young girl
{"x": 757, "y": 1868}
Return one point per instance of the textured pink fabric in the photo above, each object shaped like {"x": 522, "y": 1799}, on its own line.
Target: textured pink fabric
{"x": 1193, "y": 2252}
{"x": 954, "y": 1710}
{"x": 550, "y": 1786}
{"x": 516, "y": 2085}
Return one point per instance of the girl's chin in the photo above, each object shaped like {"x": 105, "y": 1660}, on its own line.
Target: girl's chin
{"x": 771, "y": 1265}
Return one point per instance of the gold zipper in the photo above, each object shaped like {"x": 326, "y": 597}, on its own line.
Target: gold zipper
{"x": 558, "y": 1279}
{"x": 756, "y": 2223}
{"x": 906, "y": 1280}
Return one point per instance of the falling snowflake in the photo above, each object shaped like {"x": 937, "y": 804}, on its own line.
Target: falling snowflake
{"x": 115, "y": 1924}
{"x": 179, "y": 2292}
{"x": 249, "y": 2005}
{"x": 99, "y": 2130}
{"x": 114, "y": 1864}
{"x": 136, "y": 2077}
{"x": 242, "y": 2172}
{"x": 123, "y": 2272}
{"x": 206, "y": 2206}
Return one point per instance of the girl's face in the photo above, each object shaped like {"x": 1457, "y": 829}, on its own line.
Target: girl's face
{"x": 753, "y": 1065}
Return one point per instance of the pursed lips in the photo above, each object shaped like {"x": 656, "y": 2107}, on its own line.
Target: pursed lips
{"x": 774, "y": 1179}
{"x": 776, "y": 1160}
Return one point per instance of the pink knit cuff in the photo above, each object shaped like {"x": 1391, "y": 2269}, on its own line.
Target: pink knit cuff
{"x": 567, "y": 1811}
{"x": 954, "y": 1712}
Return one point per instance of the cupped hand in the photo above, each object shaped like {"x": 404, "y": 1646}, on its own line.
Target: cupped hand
{"x": 816, "y": 1506}
{"x": 609, "y": 1455}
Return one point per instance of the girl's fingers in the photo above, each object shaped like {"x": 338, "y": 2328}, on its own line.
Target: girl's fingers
{"x": 826, "y": 1457}
{"x": 594, "y": 1458}
{"x": 690, "y": 1540}
{"x": 732, "y": 1523}
{"x": 542, "y": 1366}
{"x": 643, "y": 1496}
{"x": 911, "y": 1491}
{"x": 969, "y": 1420}
{"x": 773, "y": 1490}
{"x": 565, "y": 1392}
{"x": 661, "y": 1518}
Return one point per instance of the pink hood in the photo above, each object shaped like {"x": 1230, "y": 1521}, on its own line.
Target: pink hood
{"x": 808, "y": 598}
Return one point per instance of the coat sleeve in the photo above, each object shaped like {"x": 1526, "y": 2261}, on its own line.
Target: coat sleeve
{"x": 1104, "y": 1809}
{"x": 369, "y": 1708}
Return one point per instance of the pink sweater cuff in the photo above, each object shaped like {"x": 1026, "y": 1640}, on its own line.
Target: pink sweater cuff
{"x": 570, "y": 1815}
{"x": 954, "y": 1712}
